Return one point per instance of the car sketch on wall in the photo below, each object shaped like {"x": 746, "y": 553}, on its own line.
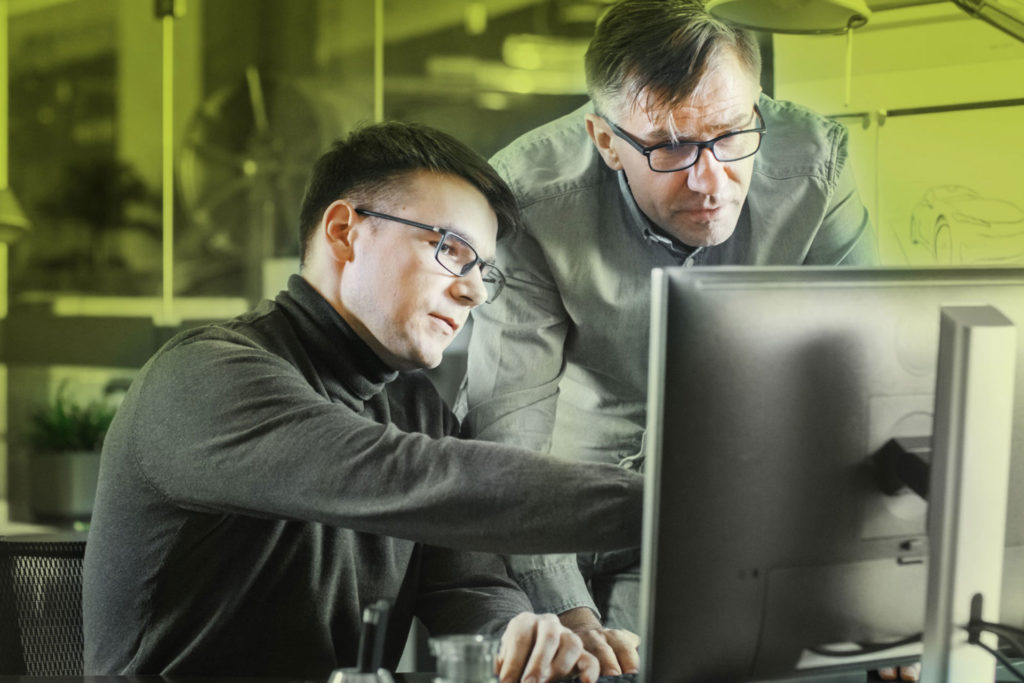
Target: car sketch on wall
{"x": 954, "y": 225}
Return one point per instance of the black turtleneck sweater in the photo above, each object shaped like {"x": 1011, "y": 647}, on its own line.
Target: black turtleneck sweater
{"x": 267, "y": 478}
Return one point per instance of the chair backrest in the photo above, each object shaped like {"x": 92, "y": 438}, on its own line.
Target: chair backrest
{"x": 41, "y": 604}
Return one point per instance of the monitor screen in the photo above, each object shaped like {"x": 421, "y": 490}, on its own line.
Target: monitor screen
{"x": 766, "y": 534}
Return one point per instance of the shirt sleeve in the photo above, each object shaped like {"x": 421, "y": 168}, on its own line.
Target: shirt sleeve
{"x": 846, "y": 236}
{"x": 219, "y": 426}
{"x": 553, "y": 582}
{"x": 465, "y": 592}
{"x": 516, "y": 353}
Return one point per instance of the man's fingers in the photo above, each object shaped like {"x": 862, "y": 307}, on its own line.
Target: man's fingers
{"x": 596, "y": 644}
{"x": 570, "y": 659}
{"x": 546, "y": 643}
{"x": 625, "y": 643}
{"x": 516, "y": 644}
{"x": 540, "y": 649}
{"x": 911, "y": 672}
{"x": 588, "y": 668}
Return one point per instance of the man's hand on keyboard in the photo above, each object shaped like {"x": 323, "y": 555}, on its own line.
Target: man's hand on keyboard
{"x": 536, "y": 648}
{"x": 615, "y": 649}
{"x": 911, "y": 672}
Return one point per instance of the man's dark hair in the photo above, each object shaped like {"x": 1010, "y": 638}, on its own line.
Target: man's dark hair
{"x": 660, "y": 47}
{"x": 372, "y": 162}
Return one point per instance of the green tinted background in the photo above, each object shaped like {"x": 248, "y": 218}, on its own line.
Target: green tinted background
{"x": 260, "y": 87}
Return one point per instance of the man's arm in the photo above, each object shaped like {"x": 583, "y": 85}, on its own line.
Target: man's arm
{"x": 466, "y": 592}
{"x": 846, "y": 236}
{"x": 220, "y": 426}
{"x": 516, "y": 354}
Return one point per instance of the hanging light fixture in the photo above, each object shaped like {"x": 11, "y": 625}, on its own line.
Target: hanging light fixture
{"x": 792, "y": 16}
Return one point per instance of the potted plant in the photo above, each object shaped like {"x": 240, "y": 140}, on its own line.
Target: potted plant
{"x": 66, "y": 437}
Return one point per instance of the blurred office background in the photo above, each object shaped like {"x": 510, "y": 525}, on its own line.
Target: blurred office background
{"x": 101, "y": 260}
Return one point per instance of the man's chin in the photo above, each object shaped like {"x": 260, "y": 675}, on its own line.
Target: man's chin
{"x": 705, "y": 234}
{"x": 430, "y": 359}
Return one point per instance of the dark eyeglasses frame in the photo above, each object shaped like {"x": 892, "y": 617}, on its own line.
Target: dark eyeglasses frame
{"x": 701, "y": 146}
{"x": 489, "y": 272}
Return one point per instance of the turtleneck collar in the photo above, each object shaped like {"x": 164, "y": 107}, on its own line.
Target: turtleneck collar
{"x": 331, "y": 341}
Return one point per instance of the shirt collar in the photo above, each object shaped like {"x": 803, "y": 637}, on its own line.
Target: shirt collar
{"x": 652, "y": 233}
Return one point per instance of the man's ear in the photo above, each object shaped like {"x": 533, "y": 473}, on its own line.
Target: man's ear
{"x": 601, "y": 135}
{"x": 336, "y": 227}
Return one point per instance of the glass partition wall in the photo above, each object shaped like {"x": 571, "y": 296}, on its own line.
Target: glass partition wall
{"x": 257, "y": 89}
{"x": 159, "y": 148}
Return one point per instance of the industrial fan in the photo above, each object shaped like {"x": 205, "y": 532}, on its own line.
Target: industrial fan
{"x": 246, "y": 154}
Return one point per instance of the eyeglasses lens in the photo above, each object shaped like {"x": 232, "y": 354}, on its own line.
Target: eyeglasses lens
{"x": 494, "y": 281}
{"x": 731, "y": 148}
{"x": 455, "y": 254}
{"x": 459, "y": 258}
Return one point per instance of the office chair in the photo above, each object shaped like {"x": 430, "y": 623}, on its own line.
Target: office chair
{"x": 41, "y": 604}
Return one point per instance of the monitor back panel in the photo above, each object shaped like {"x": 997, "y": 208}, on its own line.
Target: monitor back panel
{"x": 765, "y": 531}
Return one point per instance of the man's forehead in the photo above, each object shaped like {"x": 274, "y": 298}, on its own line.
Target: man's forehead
{"x": 695, "y": 115}
{"x": 723, "y": 97}
{"x": 454, "y": 204}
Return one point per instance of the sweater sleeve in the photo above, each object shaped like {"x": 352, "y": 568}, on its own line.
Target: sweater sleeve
{"x": 224, "y": 426}
{"x": 466, "y": 592}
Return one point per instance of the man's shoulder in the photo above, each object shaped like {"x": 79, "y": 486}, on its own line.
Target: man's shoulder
{"x": 551, "y": 160}
{"x": 799, "y": 142}
{"x": 255, "y": 332}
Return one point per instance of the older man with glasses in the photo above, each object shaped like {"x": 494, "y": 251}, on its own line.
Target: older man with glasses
{"x": 678, "y": 158}
{"x": 268, "y": 478}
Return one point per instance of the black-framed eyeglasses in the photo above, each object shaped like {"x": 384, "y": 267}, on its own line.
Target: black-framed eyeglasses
{"x": 454, "y": 253}
{"x": 668, "y": 157}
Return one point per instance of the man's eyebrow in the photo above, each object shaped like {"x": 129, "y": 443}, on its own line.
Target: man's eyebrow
{"x": 738, "y": 122}
{"x": 456, "y": 231}
{"x": 741, "y": 121}
{"x": 659, "y": 136}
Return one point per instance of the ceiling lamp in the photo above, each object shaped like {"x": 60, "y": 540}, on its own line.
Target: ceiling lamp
{"x": 792, "y": 16}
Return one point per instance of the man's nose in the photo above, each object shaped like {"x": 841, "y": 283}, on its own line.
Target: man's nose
{"x": 469, "y": 289}
{"x": 707, "y": 176}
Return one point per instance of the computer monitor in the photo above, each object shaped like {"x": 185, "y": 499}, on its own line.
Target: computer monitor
{"x": 766, "y": 534}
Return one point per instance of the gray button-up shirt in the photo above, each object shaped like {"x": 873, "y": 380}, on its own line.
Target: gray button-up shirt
{"x": 559, "y": 362}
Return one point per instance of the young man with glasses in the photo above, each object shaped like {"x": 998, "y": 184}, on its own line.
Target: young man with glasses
{"x": 678, "y": 159}
{"x": 268, "y": 478}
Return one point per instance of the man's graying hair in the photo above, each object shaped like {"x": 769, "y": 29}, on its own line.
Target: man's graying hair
{"x": 371, "y": 165}
{"x": 659, "y": 48}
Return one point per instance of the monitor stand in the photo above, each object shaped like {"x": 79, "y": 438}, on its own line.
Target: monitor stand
{"x": 968, "y": 489}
